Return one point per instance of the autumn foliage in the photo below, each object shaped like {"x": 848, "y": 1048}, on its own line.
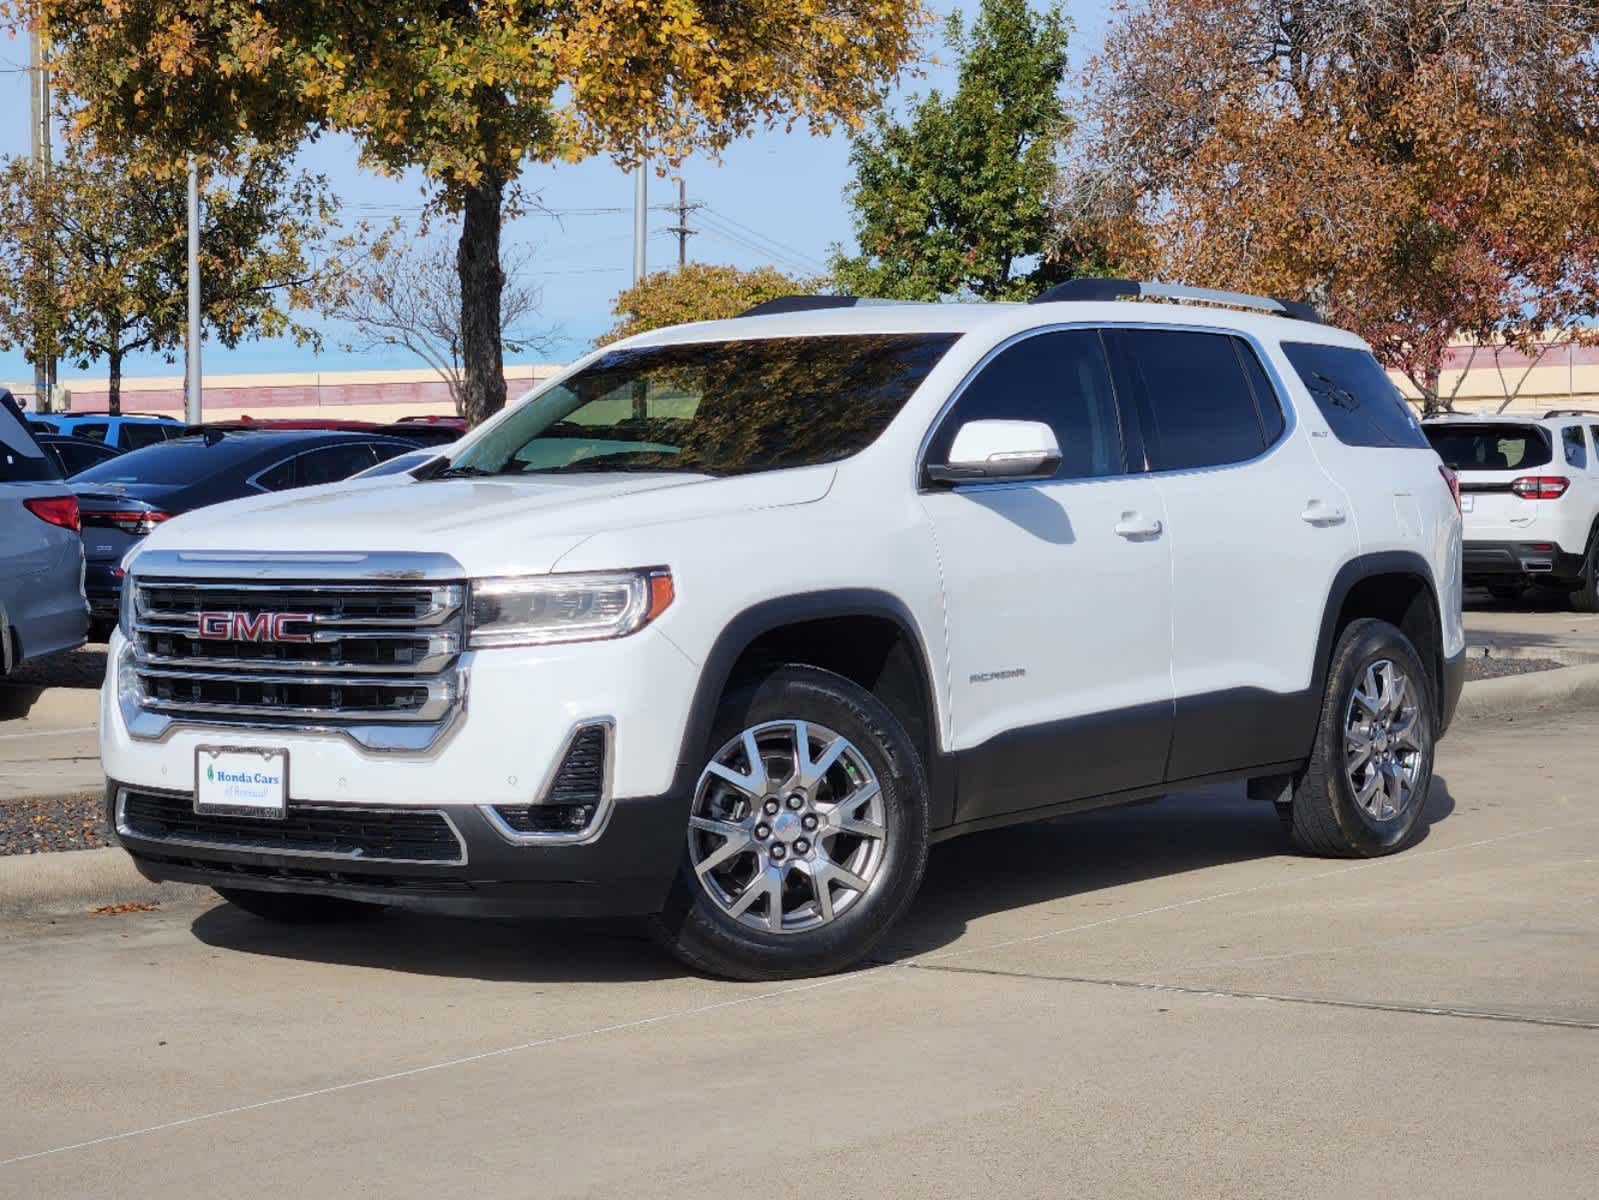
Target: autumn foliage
{"x": 697, "y": 292}
{"x": 1420, "y": 169}
{"x": 466, "y": 92}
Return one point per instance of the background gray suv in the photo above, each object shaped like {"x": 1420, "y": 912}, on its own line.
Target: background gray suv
{"x": 42, "y": 608}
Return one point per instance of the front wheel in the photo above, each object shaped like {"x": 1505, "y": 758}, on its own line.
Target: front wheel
{"x": 1363, "y": 791}
{"x": 807, "y": 834}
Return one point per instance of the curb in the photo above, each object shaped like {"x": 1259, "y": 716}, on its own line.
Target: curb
{"x": 70, "y": 882}
{"x": 1565, "y": 690}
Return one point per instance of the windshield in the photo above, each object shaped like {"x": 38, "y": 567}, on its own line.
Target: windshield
{"x": 714, "y": 408}
{"x": 1499, "y": 447}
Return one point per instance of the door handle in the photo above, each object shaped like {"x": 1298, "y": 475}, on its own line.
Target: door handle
{"x": 1320, "y": 513}
{"x": 1136, "y": 525}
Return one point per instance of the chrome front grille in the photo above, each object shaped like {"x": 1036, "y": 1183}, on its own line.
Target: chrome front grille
{"x": 378, "y": 659}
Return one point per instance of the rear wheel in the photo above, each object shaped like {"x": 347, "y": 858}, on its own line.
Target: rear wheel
{"x": 1363, "y": 791}
{"x": 1585, "y": 596}
{"x": 294, "y": 908}
{"x": 807, "y": 834}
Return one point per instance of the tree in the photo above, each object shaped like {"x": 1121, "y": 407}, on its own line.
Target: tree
{"x": 954, "y": 200}
{"x": 1420, "y": 169}
{"x": 698, "y": 292}
{"x": 94, "y": 266}
{"x": 409, "y": 296}
{"x": 468, "y": 91}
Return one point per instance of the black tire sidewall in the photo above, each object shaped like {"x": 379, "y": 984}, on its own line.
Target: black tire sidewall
{"x": 1364, "y": 643}
{"x": 708, "y": 939}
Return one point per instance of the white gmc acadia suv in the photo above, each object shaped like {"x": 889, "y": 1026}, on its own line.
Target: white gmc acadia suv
{"x": 727, "y": 623}
{"x": 1529, "y": 489}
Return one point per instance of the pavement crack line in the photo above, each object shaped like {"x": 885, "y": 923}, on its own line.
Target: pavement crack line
{"x": 873, "y": 971}
{"x": 1418, "y": 1010}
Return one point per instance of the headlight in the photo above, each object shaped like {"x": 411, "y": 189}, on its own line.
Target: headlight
{"x": 125, "y": 611}
{"x": 536, "y": 609}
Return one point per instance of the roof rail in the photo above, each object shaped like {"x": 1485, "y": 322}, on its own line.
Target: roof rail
{"x": 794, "y": 304}
{"x": 106, "y": 412}
{"x": 1571, "y": 412}
{"x": 1132, "y": 289}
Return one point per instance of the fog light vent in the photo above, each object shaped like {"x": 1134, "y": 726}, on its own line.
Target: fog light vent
{"x": 575, "y": 796}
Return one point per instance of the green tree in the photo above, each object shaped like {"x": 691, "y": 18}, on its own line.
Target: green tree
{"x": 93, "y": 266}
{"x": 468, "y": 91}
{"x": 698, "y": 292}
{"x": 955, "y": 199}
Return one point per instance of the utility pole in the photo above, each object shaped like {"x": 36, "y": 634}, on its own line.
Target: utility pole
{"x": 191, "y": 400}
{"x": 682, "y": 208}
{"x": 641, "y": 225}
{"x": 44, "y": 368}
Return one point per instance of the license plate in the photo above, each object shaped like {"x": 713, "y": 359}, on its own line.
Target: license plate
{"x": 241, "y": 782}
{"x": 1467, "y": 503}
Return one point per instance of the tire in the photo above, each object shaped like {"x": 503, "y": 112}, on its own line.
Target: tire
{"x": 295, "y": 908}
{"x": 1585, "y": 596}
{"x": 1507, "y": 593}
{"x": 876, "y": 838}
{"x": 1326, "y": 815}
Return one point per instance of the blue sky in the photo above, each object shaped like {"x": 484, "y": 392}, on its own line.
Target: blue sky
{"x": 773, "y": 198}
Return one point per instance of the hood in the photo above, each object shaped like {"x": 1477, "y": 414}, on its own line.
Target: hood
{"x": 490, "y": 526}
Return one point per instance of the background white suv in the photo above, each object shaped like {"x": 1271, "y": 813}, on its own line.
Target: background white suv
{"x": 728, "y": 622}
{"x": 1529, "y": 492}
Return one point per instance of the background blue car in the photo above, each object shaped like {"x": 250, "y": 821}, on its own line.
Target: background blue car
{"x": 129, "y": 431}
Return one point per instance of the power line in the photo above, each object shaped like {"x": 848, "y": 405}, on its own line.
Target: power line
{"x": 792, "y": 251}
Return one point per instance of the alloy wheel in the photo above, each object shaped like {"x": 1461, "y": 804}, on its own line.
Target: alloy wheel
{"x": 1384, "y": 750}
{"x": 788, "y": 829}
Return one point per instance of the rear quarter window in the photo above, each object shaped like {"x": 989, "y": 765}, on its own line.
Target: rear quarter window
{"x": 1357, "y": 399}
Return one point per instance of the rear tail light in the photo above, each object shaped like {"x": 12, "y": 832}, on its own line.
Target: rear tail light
{"x": 56, "y": 510}
{"x": 1540, "y": 487}
{"x": 1452, "y": 481}
{"x": 135, "y": 521}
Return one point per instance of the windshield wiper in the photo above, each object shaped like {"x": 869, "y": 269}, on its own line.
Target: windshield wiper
{"x": 462, "y": 473}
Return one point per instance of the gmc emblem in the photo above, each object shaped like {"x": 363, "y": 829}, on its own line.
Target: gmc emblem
{"x": 247, "y": 627}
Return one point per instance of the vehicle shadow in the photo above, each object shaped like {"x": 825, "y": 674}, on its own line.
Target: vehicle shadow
{"x": 1065, "y": 859}
{"x": 1071, "y": 859}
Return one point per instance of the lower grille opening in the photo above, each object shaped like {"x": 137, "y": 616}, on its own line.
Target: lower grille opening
{"x": 361, "y": 834}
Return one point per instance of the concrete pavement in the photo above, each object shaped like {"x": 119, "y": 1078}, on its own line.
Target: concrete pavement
{"x": 1149, "y": 1001}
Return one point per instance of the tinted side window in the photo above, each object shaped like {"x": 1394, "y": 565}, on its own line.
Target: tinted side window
{"x": 1576, "y": 448}
{"x": 383, "y": 451}
{"x": 1272, "y": 421}
{"x": 333, "y": 463}
{"x": 279, "y": 477}
{"x": 133, "y": 437}
{"x": 95, "y": 431}
{"x": 1194, "y": 401}
{"x": 1059, "y": 379}
{"x": 1357, "y": 399}
{"x": 21, "y": 459}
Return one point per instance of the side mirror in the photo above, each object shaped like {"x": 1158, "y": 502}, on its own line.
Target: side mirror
{"x": 998, "y": 450}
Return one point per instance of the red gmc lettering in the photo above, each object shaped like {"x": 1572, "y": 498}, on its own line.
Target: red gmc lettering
{"x": 243, "y": 627}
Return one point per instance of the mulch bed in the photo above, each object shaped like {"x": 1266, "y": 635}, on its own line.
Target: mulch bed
{"x": 36, "y": 826}
{"x": 1478, "y": 667}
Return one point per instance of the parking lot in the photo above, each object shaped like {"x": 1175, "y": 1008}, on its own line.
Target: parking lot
{"x": 1156, "y": 1000}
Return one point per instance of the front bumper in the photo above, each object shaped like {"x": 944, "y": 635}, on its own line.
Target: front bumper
{"x": 1516, "y": 560}
{"x": 626, "y": 872}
